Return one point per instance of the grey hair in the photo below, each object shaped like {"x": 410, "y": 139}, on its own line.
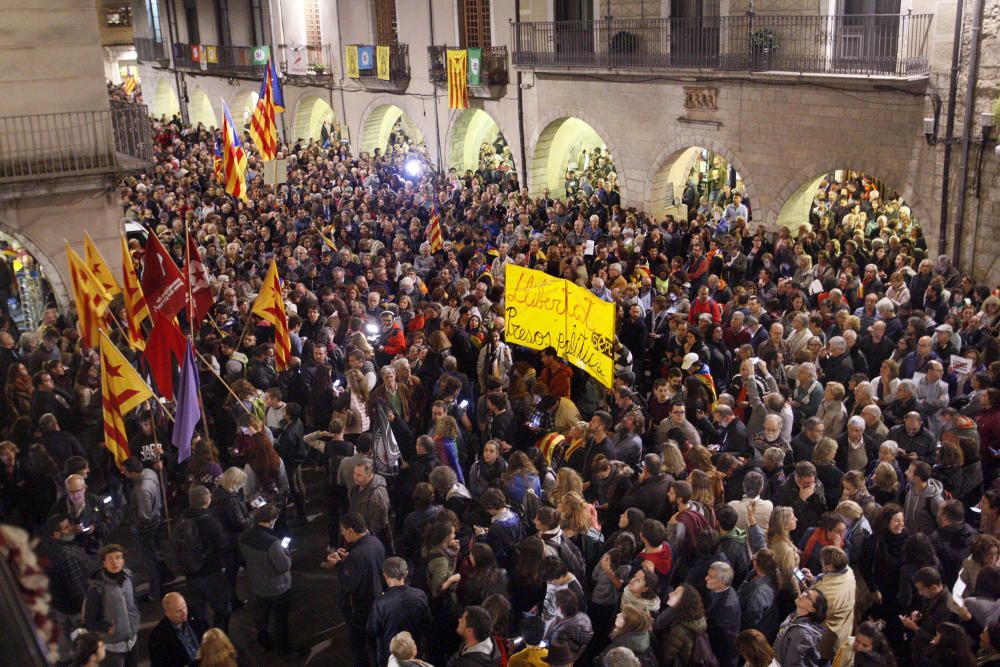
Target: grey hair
{"x": 775, "y": 455}
{"x": 621, "y": 656}
{"x": 753, "y": 483}
{"x": 890, "y": 447}
{"x": 865, "y": 387}
{"x": 233, "y": 479}
{"x": 872, "y": 409}
{"x": 838, "y": 342}
{"x": 809, "y": 367}
{"x": 856, "y": 421}
{"x": 723, "y": 571}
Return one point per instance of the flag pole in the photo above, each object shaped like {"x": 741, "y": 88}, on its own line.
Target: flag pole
{"x": 191, "y": 322}
{"x": 224, "y": 384}
{"x": 163, "y": 484}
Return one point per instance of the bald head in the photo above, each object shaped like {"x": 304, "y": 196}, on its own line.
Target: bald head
{"x": 175, "y": 608}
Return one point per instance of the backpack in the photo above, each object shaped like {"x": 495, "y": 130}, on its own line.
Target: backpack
{"x": 385, "y": 449}
{"x": 569, "y": 554}
{"x": 528, "y": 507}
{"x": 701, "y": 653}
{"x": 188, "y": 549}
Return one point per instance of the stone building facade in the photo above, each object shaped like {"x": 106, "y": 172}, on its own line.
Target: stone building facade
{"x": 779, "y": 129}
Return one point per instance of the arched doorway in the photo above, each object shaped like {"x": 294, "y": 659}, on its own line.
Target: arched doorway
{"x": 843, "y": 196}
{"x": 388, "y": 122}
{"x": 310, "y": 115}
{"x": 242, "y": 106}
{"x": 200, "y": 109}
{"x": 567, "y": 151}
{"x": 39, "y": 282}
{"x": 476, "y": 141}
{"x": 165, "y": 100}
{"x": 705, "y": 170}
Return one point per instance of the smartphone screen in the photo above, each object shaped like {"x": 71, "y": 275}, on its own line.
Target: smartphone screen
{"x": 285, "y": 542}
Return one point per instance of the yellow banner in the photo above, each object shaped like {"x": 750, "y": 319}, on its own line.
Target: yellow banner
{"x": 458, "y": 75}
{"x": 382, "y": 62}
{"x": 542, "y": 310}
{"x": 351, "y": 61}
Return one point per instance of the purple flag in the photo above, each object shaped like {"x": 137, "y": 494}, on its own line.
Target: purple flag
{"x": 188, "y": 412}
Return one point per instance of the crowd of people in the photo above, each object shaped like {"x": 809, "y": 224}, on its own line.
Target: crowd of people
{"x": 796, "y": 464}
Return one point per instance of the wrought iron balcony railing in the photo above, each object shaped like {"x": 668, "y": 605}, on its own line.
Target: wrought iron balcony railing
{"x": 851, "y": 44}
{"x": 150, "y": 51}
{"x": 75, "y": 143}
{"x": 494, "y": 70}
{"x": 224, "y": 60}
{"x": 305, "y": 60}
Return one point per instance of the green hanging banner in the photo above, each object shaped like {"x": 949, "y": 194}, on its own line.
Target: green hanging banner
{"x": 475, "y": 65}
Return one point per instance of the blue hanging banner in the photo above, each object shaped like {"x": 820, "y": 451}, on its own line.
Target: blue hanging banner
{"x": 366, "y": 57}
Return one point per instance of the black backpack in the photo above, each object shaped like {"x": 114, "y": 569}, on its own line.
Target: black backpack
{"x": 188, "y": 549}
{"x": 569, "y": 554}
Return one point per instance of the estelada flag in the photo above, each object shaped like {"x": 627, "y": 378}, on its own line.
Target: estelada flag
{"x": 92, "y": 301}
{"x": 201, "y": 290}
{"x": 217, "y": 170}
{"x": 270, "y": 306}
{"x": 458, "y": 79}
{"x": 162, "y": 283}
{"x": 136, "y": 310}
{"x": 99, "y": 267}
{"x": 263, "y": 128}
{"x": 122, "y": 390}
{"x": 234, "y": 159}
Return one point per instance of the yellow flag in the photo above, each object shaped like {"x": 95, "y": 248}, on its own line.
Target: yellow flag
{"x": 458, "y": 79}
{"x": 92, "y": 300}
{"x": 122, "y": 390}
{"x": 270, "y": 306}
{"x": 382, "y": 62}
{"x": 100, "y": 268}
{"x": 136, "y": 309}
{"x": 351, "y": 61}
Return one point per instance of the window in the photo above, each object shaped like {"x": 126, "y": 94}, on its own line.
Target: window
{"x": 474, "y": 23}
{"x": 191, "y": 19}
{"x": 118, "y": 16}
{"x": 153, "y": 11}
{"x": 385, "y": 22}
{"x": 314, "y": 35}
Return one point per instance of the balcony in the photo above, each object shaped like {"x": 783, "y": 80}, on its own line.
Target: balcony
{"x": 399, "y": 70}
{"x": 493, "y": 77}
{"x": 869, "y": 45}
{"x": 310, "y": 64}
{"x": 151, "y": 51}
{"x": 235, "y": 61}
{"x": 75, "y": 143}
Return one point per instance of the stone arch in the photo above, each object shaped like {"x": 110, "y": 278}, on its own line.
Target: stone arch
{"x": 52, "y": 270}
{"x": 550, "y": 123}
{"x": 165, "y": 102}
{"x": 311, "y": 112}
{"x": 892, "y": 177}
{"x": 654, "y": 193}
{"x": 378, "y": 120}
{"x": 200, "y": 109}
{"x": 469, "y": 129}
{"x": 242, "y": 105}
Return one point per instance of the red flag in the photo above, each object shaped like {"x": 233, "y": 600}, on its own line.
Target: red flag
{"x": 201, "y": 291}
{"x": 162, "y": 282}
{"x": 165, "y": 350}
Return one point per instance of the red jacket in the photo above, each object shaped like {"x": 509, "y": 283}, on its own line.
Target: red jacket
{"x": 395, "y": 341}
{"x": 710, "y": 307}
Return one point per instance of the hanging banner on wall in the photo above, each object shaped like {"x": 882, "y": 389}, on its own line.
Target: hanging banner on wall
{"x": 366, "y": 57}
{"x": 458, "y": 79}
{"x": 382, "y": 62}
{"x": 351, "y": 61}
{"x": 211, "y": 53}
{"x": 542, "y": 310}
{"x": 475, "y": 65}
{"x": 298, "y": 61}
{"x": 261, "y": 54}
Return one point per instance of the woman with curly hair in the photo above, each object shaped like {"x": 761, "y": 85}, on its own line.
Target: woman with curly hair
{"x": 203, "y": 467}
{"x": 216, "y": 650}
{"x": 677, "y": 631}
{"x": 567, "y": 480}
{"x": 520, "y": 477}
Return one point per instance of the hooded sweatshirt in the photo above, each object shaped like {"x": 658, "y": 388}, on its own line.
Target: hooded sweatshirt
{"x": 663, "y": 562}
{"x": 921, "y": 506}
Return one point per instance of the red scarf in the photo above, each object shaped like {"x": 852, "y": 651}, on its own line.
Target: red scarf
{"x": 820, "y": 537}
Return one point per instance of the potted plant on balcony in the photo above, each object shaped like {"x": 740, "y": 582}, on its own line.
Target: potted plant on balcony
{"x": 763, "y": 42}
{"x": 319, "y": 70}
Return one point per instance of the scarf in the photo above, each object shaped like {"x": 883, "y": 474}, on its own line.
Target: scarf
{"x": 819, "y": 537}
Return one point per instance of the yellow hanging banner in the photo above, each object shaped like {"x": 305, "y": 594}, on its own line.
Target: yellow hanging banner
{"x": 542, "y": 310}
{"x": 458, "y": 78}
{"x": 351, "y": 61}
{"x": 382, "y": 62}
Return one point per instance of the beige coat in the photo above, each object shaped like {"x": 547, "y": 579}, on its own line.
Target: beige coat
{"x": 840, "y": 589}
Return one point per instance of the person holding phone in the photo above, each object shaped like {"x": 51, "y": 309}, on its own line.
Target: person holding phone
{"x": 269, "y": 570}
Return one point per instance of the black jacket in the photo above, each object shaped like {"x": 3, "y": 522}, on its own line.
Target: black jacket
{"x": 69, "y": 568}
{"x": 214, "y": 541}
{"x": 650, "y": 496}
{"x": 808, "y": 511}
{"x": 234, "y": 515}
{"x": 400, "y": 608}
{"x": 475, "y": 659}
{"x": 166, "y": 650}
{"x": 361, "y": 578}
{"x": 952, "y": 544}
{"x": 95, "y": 513}
{"x": 723, "y": 616}
{"x": 61, "y": 445}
